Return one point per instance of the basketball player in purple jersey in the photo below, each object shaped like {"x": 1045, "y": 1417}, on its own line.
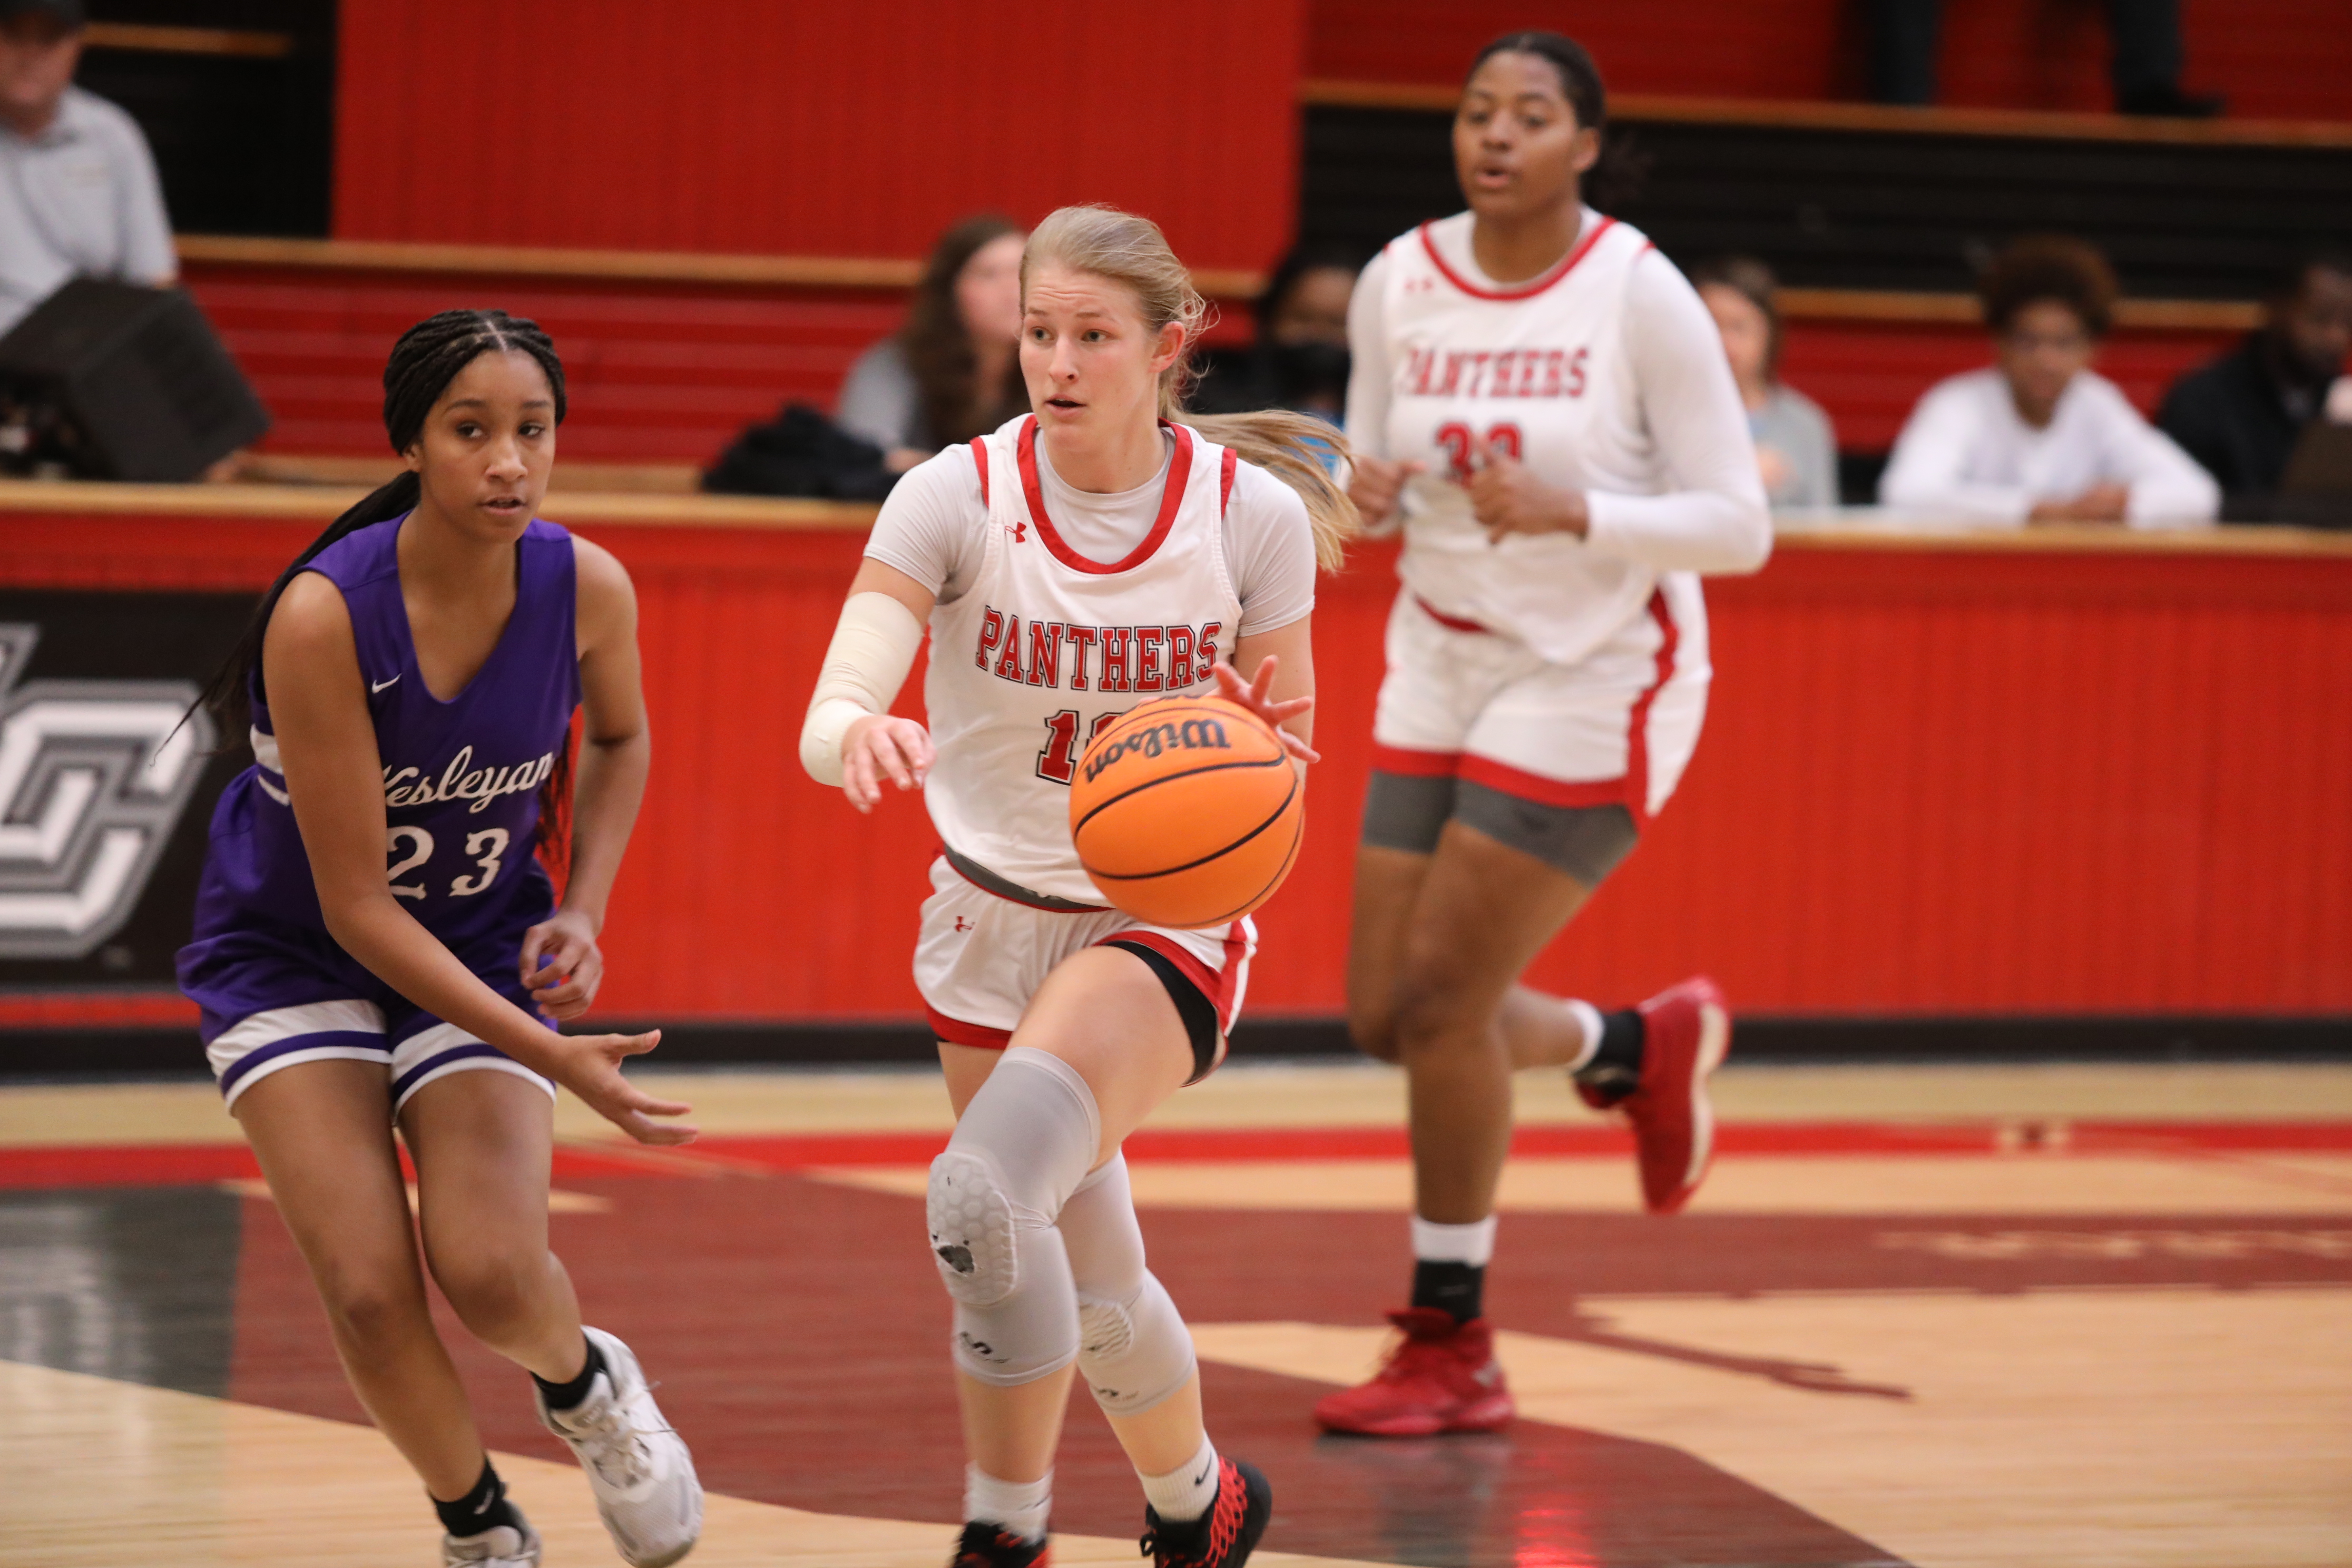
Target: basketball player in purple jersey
{"x": 377, "y": 946}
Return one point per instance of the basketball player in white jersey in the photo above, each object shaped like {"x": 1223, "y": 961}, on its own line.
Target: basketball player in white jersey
{"x": 1100, "y": 552}
{"x": 1540, "y": 403}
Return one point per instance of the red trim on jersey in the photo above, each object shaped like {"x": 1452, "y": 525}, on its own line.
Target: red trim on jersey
{"x": 1225, "y": 480}
{"x": 1637, "y": 740}
{"x": 956, "y": 1032}
{"x": 1533, "y": 286}
{"x": 1524, "y": 785}
{"x": 980, "y": 456}
{"x": 1451, "y": 622}
{"x": 1415, "y": 765}
{"x": 1217, "y": 984}
{"x": 1180, "y": 467}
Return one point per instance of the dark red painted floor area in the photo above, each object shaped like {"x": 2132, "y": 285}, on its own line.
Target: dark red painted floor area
{"x": 798, "y": 1333}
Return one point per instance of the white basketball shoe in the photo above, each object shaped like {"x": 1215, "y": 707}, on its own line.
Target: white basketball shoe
{"x": 502, "y": 1547}
{"x": 639, "y": 1470}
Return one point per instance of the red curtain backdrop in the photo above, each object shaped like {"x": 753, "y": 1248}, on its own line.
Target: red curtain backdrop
{"x": 864, "y": 130}
{"x": 2282, "y": 59}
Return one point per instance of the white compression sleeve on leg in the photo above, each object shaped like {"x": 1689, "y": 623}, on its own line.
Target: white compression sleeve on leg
{"x": 873, "y": 647}
{"x": 1134, "y": 1349}
{"x": 1022, "y": 1148}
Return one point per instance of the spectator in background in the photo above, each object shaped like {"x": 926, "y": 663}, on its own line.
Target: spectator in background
{"x": 953, "y": 371}
{"x": 79, "y": 195}
{"x": 2040, "y": 437}
{"x": 1299, "y": 359}
{"x": 2241, "y": 414}
{"x": 2145, "y": 66}
{"x": 1795, "y": 446}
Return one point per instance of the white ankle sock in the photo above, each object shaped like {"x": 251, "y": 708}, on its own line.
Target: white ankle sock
{"x": 1020, "y": 1507}
{"x": 1473, "y": 1244}
{"x": 1588, "y": 1018}
{"x": 1188, "y": 1490}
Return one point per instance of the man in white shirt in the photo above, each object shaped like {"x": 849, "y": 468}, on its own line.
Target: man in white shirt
{"x": 79, "y": 195}
{"x": 2040, "y": 437}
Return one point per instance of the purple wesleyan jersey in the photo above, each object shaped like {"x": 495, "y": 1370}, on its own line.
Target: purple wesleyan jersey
{"x": 461, "y": 783}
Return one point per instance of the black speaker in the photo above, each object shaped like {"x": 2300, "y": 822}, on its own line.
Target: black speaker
{"x": 115, "y": 381}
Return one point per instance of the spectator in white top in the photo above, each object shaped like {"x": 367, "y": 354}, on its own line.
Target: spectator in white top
{"x": 79, "y": 195}
{"x": 952, "y": 372}
{"x": 2040, "y": 437}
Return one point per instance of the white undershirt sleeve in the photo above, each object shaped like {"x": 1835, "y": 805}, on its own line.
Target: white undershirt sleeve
{"x": 931, "y": 524}
{"x": 1715, "y": 518}
{"x": 1370, "y": 374}
{"x": 1271, "y": 548}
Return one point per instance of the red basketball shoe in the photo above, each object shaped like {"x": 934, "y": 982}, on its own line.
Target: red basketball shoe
{"x": 1686, "y": 1033}
{"x": 1440, "y": 1377}
{"x": 1225, "y": 1536}
{"x": 986, "y": 1546}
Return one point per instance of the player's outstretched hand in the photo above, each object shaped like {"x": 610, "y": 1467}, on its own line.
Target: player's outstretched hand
{"x": 1374, "y": 484}
{"x": 590, "y": 1067}
{"x": 1507, "y": 498}
{"x": 883, "y": 747}
{"x": 562, "y": 965}
{"x": 1253, "y": 696}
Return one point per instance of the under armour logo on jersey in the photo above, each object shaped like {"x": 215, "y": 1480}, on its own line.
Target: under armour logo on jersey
{"x": 1019, "y": 531}
{"x": 93, "y": 777}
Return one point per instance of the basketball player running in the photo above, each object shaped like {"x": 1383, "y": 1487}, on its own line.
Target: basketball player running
{"x": 411, "y": 681}
{"x": 1085, "y": 558}
{"x": 1540, "y": 401}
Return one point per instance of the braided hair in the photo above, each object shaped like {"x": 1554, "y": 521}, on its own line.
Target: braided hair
{"x": 1621, "y": 168}
{"x": 427, "y": 358}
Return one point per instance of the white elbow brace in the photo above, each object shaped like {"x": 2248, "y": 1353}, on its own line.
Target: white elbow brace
{"x": 874, "y": 646}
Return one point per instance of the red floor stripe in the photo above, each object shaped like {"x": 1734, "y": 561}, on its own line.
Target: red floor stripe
{"x": 173, "y": 1164}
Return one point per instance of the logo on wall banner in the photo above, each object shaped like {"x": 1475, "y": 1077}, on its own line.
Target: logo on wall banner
{"x": 93, "y": 777}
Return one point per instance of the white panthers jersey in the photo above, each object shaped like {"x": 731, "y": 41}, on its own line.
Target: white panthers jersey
{"x": 1047, "y": 646}
{"x": 1538, "y": 370}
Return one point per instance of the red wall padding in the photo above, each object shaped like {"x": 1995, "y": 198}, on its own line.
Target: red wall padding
{"x": 655, "y": 374}
{"x": 1933, "y": 780}
{"x": 662, "y": 373}
{"x": 2284, "y": 59}
{"x": 839, "y": 129}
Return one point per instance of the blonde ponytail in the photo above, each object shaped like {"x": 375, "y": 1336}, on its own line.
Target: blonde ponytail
{"x": 1294, "y": 448}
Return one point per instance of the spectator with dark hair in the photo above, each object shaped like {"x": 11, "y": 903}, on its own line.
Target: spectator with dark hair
{"x": 1795, "y": 446}
{"x": 79, "y": 197}
{"x": 2241, "y": 414}
{"x": 2039, "y": 437}
{"x": 952, "y": 372}
{"x": 1299, "y": 358}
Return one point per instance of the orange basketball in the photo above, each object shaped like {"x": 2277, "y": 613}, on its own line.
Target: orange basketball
{"x": 1187, "y": 811}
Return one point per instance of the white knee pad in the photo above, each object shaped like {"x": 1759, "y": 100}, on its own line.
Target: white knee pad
{"x": 1133, "y": 1349}
{"x": 1135, "y": 1353}
{"x": 1024, "y": 1144}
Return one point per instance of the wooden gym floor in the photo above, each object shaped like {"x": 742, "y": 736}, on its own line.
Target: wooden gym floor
{"x": 1940, "y": 1317}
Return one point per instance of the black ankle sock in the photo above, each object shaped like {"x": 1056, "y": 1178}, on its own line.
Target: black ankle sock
{"x": 483, "y": 1508}
{"x": 1456, "y": 1288}
{"x": 1616, "y": 1063}
{"x": 564, "y": 1395}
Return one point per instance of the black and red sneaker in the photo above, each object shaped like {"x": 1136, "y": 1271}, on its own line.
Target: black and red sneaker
{"x": 987, "y": 1545}
{"x": 1440, "y": 1377}
{"x": 1225, "y": 1535}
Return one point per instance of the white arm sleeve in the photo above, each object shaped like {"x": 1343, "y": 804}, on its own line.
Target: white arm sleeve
{"x": 1715, "y": 518}
{"x": 873, "y": 647}
{"x": 1925, "y": 471}
{"x": 1368, "y": 361}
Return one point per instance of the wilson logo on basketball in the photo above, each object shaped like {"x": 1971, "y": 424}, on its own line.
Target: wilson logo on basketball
{"x": 1193, "y": 734}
